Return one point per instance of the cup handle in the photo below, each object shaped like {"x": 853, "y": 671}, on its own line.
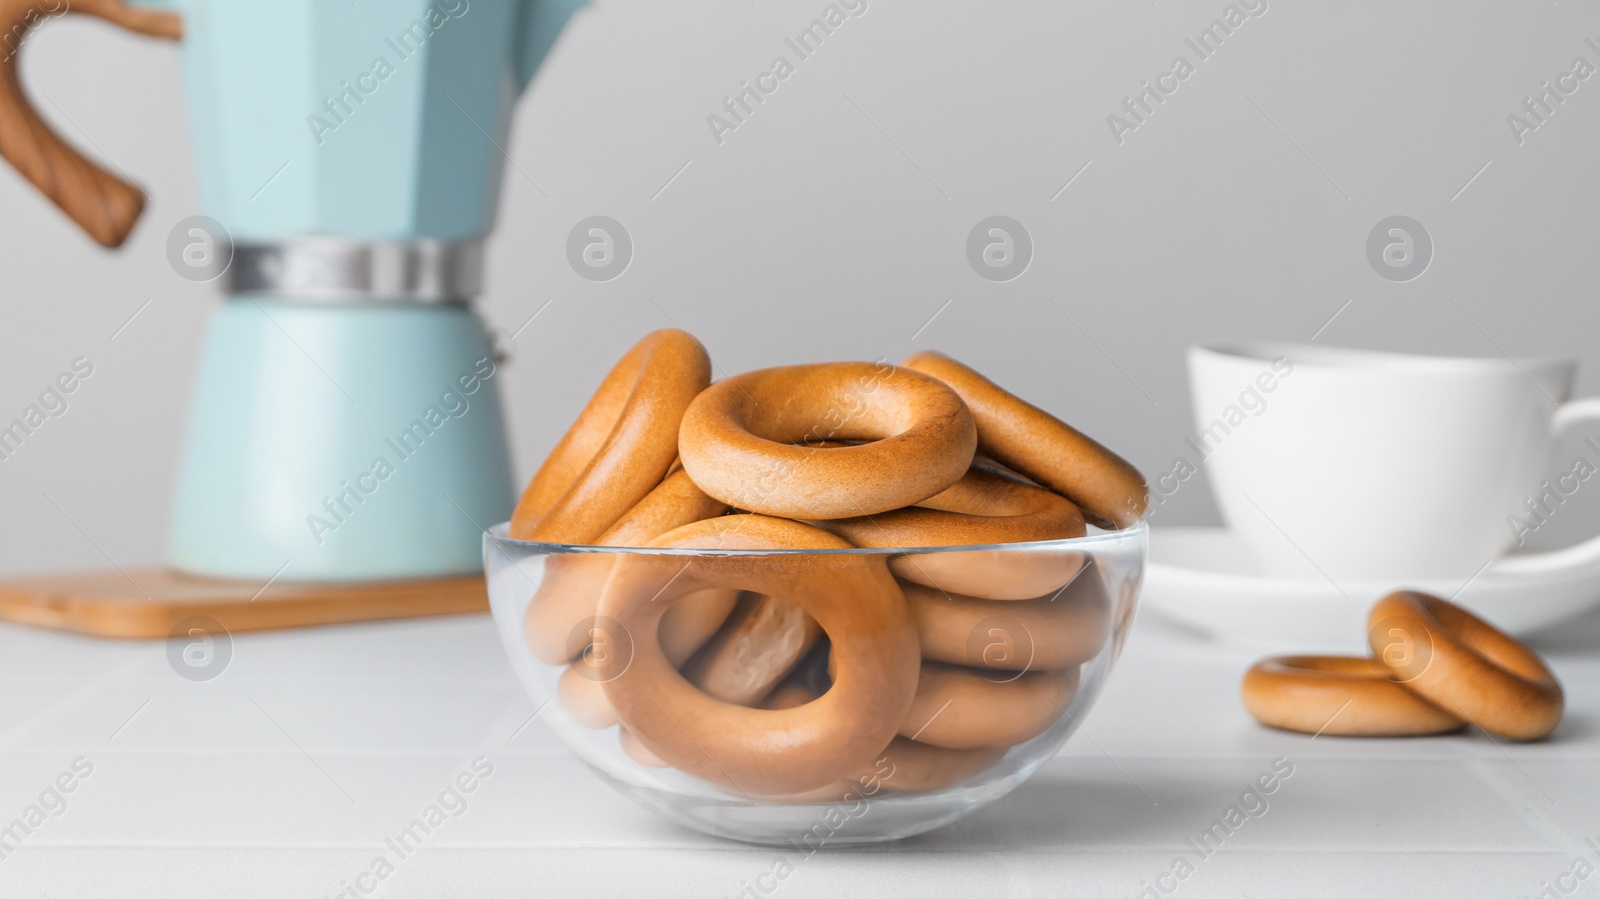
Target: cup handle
{"x": 1579, "y": 555}
{"x": 104, "y": 205}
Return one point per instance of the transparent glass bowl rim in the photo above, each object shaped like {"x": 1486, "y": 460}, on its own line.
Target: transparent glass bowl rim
{"x": 1097, "y": 539}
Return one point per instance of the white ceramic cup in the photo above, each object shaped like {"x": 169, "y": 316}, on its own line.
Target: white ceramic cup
{"x": 1352, "y": 464}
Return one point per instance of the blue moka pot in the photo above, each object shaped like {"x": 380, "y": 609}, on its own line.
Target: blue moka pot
{"x": 347, "y": 423}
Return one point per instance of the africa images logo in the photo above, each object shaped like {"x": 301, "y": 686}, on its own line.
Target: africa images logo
{"x": 11, "y": 41}
{"x": 738, "y": 107}
{"x": 339, "y": 106}
{"x": 1141, "y": 105}
{"x": 339, "y": 506}
{"x": 1538, "y": 107}
{"x": 51, "y": 803}
{"x": 52, "y": 403}
{"x": 1251, "y": 403}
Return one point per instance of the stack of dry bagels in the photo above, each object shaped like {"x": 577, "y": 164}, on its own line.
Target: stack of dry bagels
{"x": 1435, "y": 667}
{"x": 799, "y": 673}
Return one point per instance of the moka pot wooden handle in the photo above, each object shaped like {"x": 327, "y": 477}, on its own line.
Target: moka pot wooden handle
{"x": 104, "y": 205}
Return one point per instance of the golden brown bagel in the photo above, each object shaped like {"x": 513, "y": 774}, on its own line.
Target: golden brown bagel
{"x": 760, "y": 642}
{"x": 693, "y": 621}
{"x": 805, "y": 682}
{"x": 1464, "y": 665}
{"x": 983, "y": 507}
{"x": 570, "y": 589}
{"x": 636, "y": 751}
{"x": 905, "y": 766}
{"x": 1340, "y": 696}
{"x": 1111, "y": 493}
{"x": 621, "y": 445}
{"x": 758, "y": 751}
{"x": 583, "y": 699}
{"x": 917, "y": 767}
{"x": 1045, "y": 634}
{"x": 741, "y": 439}
{"x": 683, "y": 628}
{"x": 960, "y": 708}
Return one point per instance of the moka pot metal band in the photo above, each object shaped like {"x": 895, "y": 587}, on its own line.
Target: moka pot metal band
{"x": 343, "y": 270}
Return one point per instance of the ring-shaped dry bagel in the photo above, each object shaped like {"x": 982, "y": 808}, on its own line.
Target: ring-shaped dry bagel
{"x": 1027, "y": 439}
{"x": 805, "y": 682}
{"x": 752, "y": 751}
{"x": 759, "y": 643}
{"x": 569, "y": 591}
{"x": 752, "y": 440}
{"x": 983, "y": 507}
{"x": 554, "y": 624}
{"x": 584, "y": 699}
{"x": 917, "y": 767}
{"x": 905, "y": 766}
{"x": 1003, "y": 574}
{"x": 684, "y": 628}
{"x": 1341, "y": 696}
{"x": 961, "y": 708}
{"x": 1049, "y": 633}
{"x": 636, "y": 751}
{"x": 620, "y": 447}
{"x": 1465, "y": 665}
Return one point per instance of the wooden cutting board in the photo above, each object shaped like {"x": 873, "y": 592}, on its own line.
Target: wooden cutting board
{"x": 150, "y": 602}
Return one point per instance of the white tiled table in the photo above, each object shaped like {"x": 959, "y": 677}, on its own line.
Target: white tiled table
{"x": 283, "y": 777}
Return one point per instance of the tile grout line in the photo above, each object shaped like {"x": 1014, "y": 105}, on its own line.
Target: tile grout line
{"x": 1525, "y": 803}
{"x": 78, "y": 698}
{"x": 654, "y": 846}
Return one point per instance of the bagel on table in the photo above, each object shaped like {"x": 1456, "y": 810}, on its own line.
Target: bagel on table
{"x": 1434, "y": 669}
{"x": 1339, "y": 696}
{"x": 1465, "y": 665}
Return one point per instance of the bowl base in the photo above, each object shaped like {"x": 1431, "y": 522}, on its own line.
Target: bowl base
{"x": 852, "y": 820}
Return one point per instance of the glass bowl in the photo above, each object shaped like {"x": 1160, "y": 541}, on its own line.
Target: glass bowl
{"x": 900, "y": 702}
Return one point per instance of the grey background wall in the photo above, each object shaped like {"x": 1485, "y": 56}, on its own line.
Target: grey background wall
{"x": 833, "y": 223}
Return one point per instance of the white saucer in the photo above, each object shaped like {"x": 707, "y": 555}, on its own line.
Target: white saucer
{"x": 1203, "y": 578}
